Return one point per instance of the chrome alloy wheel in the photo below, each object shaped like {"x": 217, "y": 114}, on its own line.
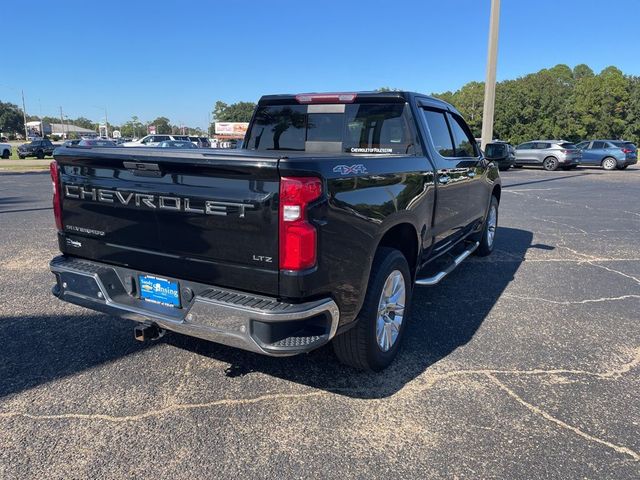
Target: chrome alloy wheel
{"x": 492, "y": 224}
{"x": 609, "y": 163}
{"x": 390, "y": 310}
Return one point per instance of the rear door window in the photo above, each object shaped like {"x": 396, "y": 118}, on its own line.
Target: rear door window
{"x": 439, "y": 131}
{"x": 464, "y": 143}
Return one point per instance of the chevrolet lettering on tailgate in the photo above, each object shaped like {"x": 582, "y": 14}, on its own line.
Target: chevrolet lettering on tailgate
{"x": 161, "y": 202}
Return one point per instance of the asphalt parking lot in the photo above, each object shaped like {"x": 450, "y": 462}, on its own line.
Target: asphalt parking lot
{"x": 525, "y": 364}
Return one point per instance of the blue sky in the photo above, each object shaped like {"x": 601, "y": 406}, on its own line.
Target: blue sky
{"x": 177, "y": 58}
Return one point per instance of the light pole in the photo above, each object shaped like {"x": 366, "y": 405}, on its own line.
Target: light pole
{"x": 490, "y": 82}
{"x": 106, "y": 120}
{"x": 24, "y": 117}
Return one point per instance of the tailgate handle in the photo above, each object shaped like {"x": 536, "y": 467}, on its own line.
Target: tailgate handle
{"x": 143, "y": 169}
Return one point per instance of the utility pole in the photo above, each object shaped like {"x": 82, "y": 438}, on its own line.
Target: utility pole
{"x": 62, "y": 124}
{"x": 490, "y": 83}
{"x": 106, "y": 121}
{"x": 24, "y": 116}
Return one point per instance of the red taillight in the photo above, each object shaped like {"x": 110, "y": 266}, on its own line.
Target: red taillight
{"x": 326, "y": 97}
{"x": 57, "y": 200}
{"x": 626, "y": 150}
{"x": 297, "y": 235}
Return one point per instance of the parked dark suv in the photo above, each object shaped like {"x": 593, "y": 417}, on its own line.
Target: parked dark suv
{"x": 36, "y": 148}
{"x": 501, "y": 153}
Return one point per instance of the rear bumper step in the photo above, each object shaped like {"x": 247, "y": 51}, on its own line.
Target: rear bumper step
{"x": 435, "y": 279}
{"x": 250, "y": 322}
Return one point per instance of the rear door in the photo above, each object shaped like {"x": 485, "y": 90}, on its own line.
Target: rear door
{"x": 594, "y": 153}
{"x": 468, "y": 155}
{"x": 452, "y": 179}
{"x": 541, "y": 150}
{"x": 211, "y": 219}
{"x": 524, "y": 153}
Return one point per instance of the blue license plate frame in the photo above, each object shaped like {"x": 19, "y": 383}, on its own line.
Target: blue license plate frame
{"x": 160, "y": 291}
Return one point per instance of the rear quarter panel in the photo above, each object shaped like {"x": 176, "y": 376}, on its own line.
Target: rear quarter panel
{"x": 364, "y": 197}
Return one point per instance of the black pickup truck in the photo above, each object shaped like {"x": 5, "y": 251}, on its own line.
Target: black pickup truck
{"x": 36, "y": 148}
{"x": 316, "y": 230}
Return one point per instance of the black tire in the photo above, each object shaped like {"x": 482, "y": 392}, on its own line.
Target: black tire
{"x": 487, "y": 241}
{"x": 21, "y": 157}
{"x": 550, "y": 164}
{"x": 504, "y": 168}
{"x": 518, "y": 166}
{"x": 6, "y": 154}
{"x": 40, "y": 154}
{"x": 624, "y": 167}
{"x": 609, "y": 163}
{"x": 358, "y": 347}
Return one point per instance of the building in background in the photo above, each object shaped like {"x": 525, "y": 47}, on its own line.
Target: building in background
{"x": 38, "y": 129}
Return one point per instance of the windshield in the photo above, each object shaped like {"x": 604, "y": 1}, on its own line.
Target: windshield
{"x": 352, "y": 128}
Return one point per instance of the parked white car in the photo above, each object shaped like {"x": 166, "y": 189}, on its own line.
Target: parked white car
{"x": 5, "y": 150}
{"x": 154, "y": 140}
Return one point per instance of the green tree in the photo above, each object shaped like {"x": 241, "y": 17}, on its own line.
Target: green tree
{"x": 85, "y": 123}
{"x": 162, "y": 125}
{"x": 133, "y": 128}
{"x": 558, "y": 102}
{"x": 10, "y": 119}
{"x": 236, "y": 112}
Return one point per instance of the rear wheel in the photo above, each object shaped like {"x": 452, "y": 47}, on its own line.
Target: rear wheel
{"x": 376, "y": 338}
{"x": 40, "y": 155}
{"x": 488, "y": 234}
{"x": 6, "y": 154}
{"x": 550, "y": 164}
{"x": 609, "y": 163}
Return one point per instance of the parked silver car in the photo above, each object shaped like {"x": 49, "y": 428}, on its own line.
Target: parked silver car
{"x": 551, "y": 154}
{"x": 609, "y": 154}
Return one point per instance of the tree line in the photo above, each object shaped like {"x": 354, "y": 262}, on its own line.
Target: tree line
{"x": 553, "y": 103}
{"x": 557, "y": 103}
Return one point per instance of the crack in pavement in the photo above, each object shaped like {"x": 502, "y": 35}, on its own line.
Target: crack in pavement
{"x": 161, "y": 411}
{"x": 571, "y": 302}
{"x": 635, "y": 279}
{"x": 579, "y": 230}
{"x": 547, "y": 416}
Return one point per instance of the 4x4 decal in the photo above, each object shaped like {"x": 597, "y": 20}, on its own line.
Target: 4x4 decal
{"x": 349, "y": 169}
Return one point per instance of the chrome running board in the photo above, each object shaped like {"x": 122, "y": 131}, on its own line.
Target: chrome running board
{"x": 435, "y": 279}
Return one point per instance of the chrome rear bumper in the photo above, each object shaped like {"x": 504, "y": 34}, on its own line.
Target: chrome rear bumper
{"x": 250, "y": 322}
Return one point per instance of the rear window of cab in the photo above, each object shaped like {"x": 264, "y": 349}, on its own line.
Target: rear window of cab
{"x": 341, "y": 128}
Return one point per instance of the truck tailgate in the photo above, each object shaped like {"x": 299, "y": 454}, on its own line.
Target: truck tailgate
{"x": 207, "y": 217}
